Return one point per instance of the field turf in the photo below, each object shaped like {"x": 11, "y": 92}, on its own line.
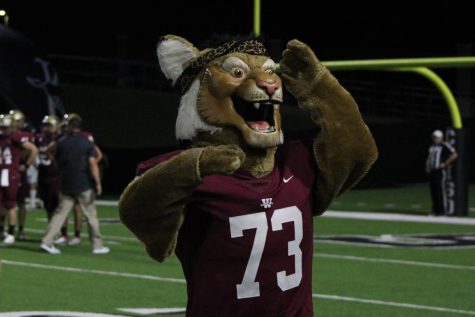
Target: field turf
{"x": 348, "y": 279}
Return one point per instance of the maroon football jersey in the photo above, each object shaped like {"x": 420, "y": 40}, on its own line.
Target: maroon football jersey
{"x": 246, "y": 245}
{"x": 46, "y": 169}
{"x": 10, "y": 151}
{"x": 26, "y": 136}
{"x": 88, "y": 135}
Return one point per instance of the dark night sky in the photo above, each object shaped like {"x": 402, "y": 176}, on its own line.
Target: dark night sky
{"x": 335, "y": 29}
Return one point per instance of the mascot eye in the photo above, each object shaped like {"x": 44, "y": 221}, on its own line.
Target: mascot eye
{"x": 269, "y": 71}
{"x": 238, "y": 73}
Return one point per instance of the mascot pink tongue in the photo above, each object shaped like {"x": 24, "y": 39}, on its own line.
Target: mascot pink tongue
{"x": 259, "y": 125}
{"x": 237, "y": 206}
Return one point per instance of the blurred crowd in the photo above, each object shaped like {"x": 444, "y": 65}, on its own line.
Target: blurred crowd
{"x": 30, "y": 174}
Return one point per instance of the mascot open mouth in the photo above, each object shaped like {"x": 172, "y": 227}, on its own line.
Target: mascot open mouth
{"x": 259, "y": 115}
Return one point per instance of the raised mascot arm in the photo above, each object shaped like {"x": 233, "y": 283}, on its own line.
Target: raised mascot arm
{"x": 344, "y": 147}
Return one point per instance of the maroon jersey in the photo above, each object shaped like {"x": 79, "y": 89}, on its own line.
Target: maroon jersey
{"x": 10, "y": 151}
{"x": 46, "y": 169}
{"x": 10, "y": 155}
{"x": 24, "y": 188}
{"x": 88, "y": 135}
{"x": 246, "y": 245}
{"x": 26, "y": 136}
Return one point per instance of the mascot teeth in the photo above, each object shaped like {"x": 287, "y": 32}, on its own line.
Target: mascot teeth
{"x": 256, "y": 105}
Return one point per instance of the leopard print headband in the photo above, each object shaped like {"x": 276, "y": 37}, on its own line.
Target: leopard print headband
{"x": 253, "y": 47}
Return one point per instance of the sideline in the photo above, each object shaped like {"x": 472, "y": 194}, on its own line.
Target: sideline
{"x": 398, "y": 217}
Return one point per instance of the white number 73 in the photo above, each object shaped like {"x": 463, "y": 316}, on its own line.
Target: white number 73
{"x": 249, "y": 287}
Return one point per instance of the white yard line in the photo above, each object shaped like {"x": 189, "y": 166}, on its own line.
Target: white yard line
{"x": 110, "y": 203}
{"x": 398, "y": 217}
{"x": 394, "y": 304}
{"x": 393, "y": 261}
{"x": 182, "y": 281}
{"x": 153, "y": 311}
{"x": 100, "y": 272}
{"x": 107, "y": 237}
{"x": 56, "y": 313}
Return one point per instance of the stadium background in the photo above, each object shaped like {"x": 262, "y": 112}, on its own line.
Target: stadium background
{"x": 108, "y": 71}
{"x": 104, "y": 53}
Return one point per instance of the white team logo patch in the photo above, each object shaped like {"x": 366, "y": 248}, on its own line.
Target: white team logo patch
{"x": 267, "y": 202}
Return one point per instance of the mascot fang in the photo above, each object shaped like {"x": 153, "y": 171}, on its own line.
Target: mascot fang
{"x": 237, "y": 206}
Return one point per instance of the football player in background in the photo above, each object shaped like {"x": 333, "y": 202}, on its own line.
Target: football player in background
{"x": 12, "y": 145}
{"x": 18, "y": 125}
{"x": 48, "y": 184}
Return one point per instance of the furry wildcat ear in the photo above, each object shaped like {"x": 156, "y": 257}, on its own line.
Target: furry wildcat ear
{"x": 174, "y": 53}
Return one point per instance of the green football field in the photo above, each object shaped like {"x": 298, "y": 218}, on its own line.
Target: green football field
{"x": 350, "y": 278}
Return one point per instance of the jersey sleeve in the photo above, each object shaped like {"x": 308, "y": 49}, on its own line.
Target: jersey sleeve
{"x": 152, "y": 205}
{"x": 144, "y": 166}
{"x": 18, "y": 137}
{"x": 30, "y": 137}
{"x": 88, "y": 136}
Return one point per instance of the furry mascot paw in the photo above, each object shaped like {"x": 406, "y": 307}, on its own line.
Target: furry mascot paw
{"x": 222, "y": 159}
{"x": 300, "y": 69}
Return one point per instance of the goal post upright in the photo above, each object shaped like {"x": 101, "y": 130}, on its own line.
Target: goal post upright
{"x": 457, "y": 184}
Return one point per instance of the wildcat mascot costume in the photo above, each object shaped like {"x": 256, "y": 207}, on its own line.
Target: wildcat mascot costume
{"x": 237, "y": 205}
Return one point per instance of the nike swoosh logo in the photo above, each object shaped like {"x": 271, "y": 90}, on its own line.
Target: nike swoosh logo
{"x": 288, "y": 179}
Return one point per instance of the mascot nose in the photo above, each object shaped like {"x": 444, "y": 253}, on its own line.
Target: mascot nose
{"x": 269, "y": 86}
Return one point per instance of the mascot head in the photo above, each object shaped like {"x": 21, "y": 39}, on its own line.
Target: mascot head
{"x": 233, "y": 87}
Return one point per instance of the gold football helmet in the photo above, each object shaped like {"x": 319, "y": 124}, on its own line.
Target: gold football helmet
{"x": 68, "y": 116}
{"x": 18, "y": 119}
{"x": 51, "y": 120}
{"x": 6, "y": 123}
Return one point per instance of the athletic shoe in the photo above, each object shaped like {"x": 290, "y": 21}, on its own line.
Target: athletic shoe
{"x": 63, "y": 240}
{"x": 50, "y": 249}
{"x": 30, "y": 207}
{"x": 101, "y": 250}
{"x": 74, "y": 241}
{"x": 21, "y": 236}
{"x": 9, "y": 239}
